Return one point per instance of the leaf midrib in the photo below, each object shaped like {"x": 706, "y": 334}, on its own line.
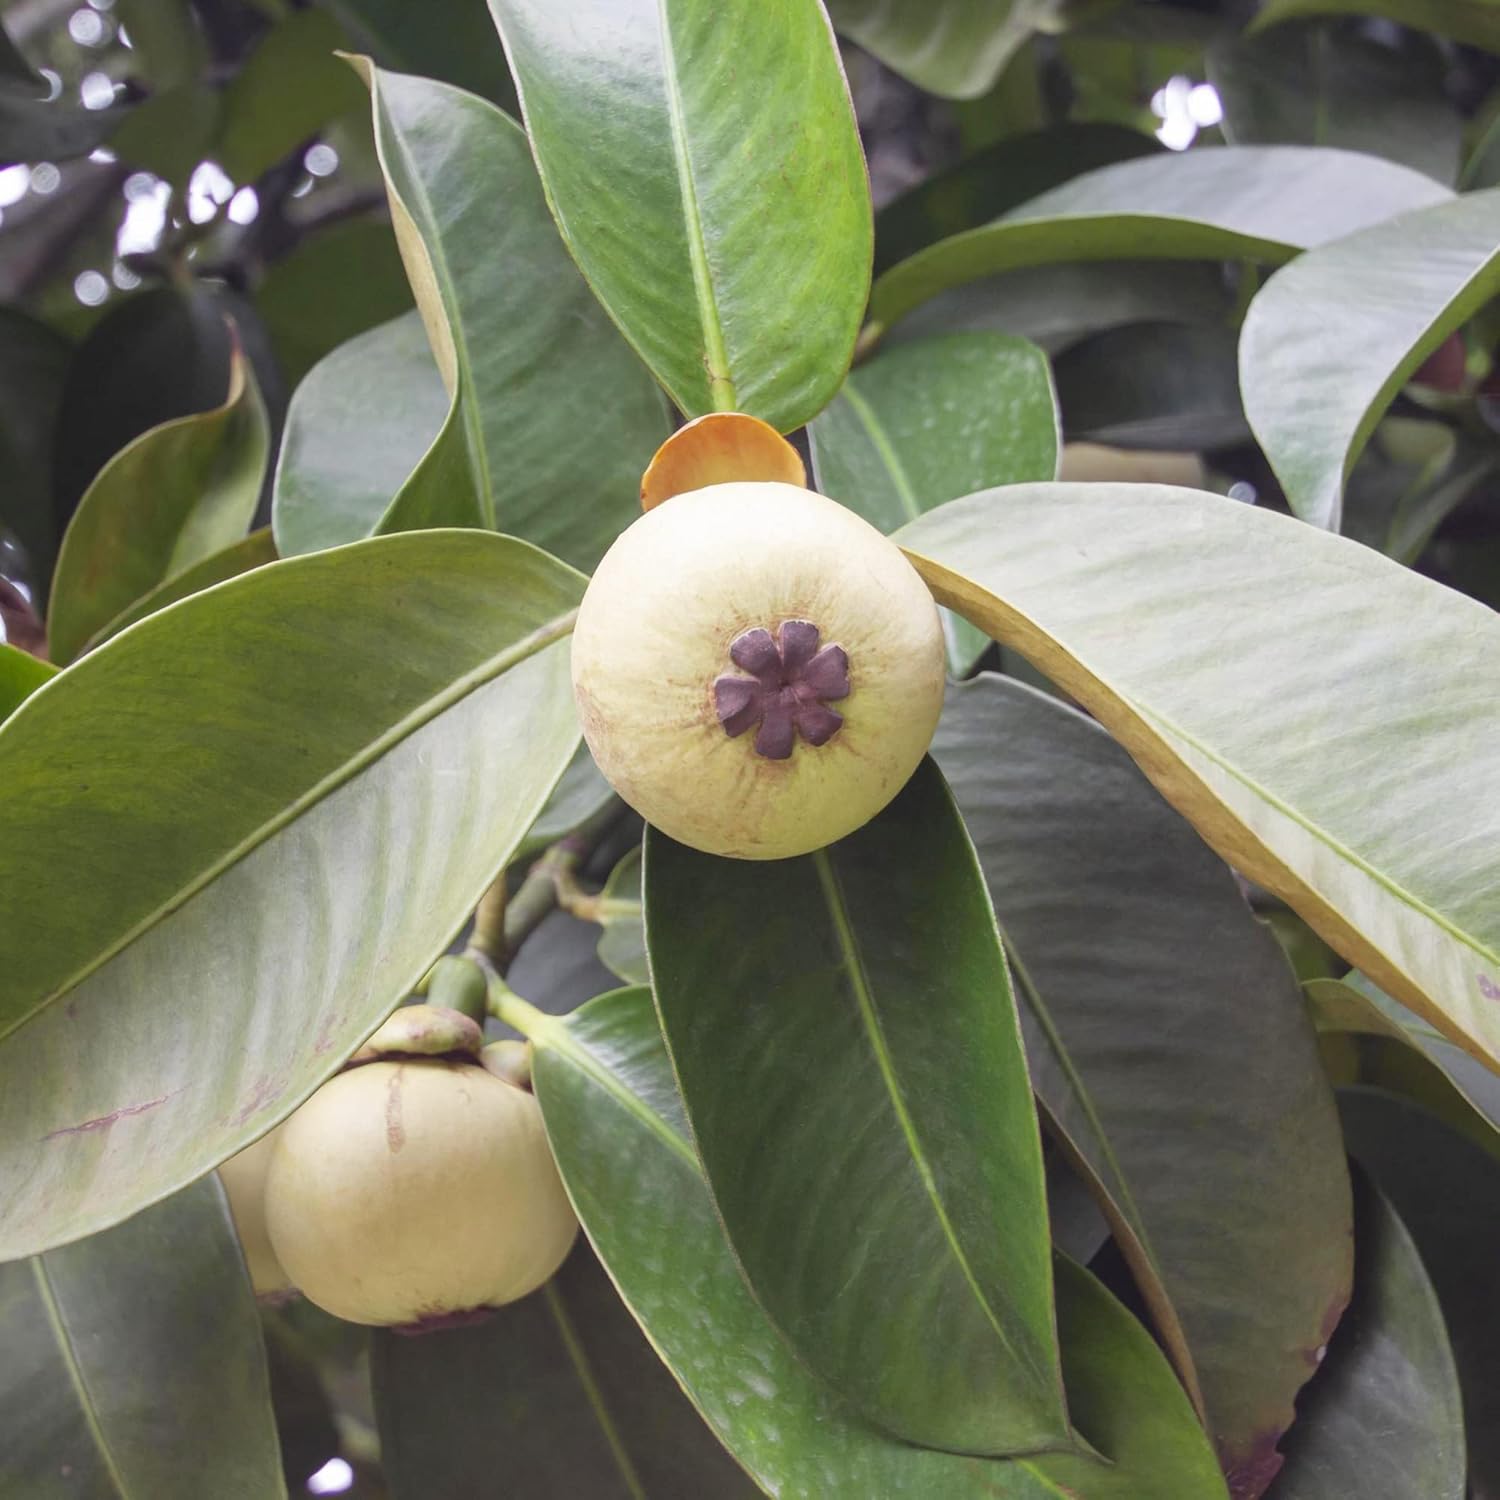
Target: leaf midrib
{"x": 459, "y": 688}
{"x": 885, "y": 450}
{"x": 859, "y": 983}
{"x": 75, "y": 1374}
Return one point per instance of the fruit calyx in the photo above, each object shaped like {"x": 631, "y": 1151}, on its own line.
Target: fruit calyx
{"x": 788, "y": 691}
{"x": 429, "y": 1031}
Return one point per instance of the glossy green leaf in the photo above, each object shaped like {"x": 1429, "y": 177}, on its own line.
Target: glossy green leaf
{"x": 134, "y": 1364}
{"x": 1382, "y": 1418}
{"x": 289, "y": 87}
{"x": 932, "y": 420}
{"x": 726, "y": 228}
{"x": 955, "y": 48}
{"x": 614, "y": 1119}
{"x": 21, "y": 674}
{"x": 253, "y": 551}
{"x": 1170, "y": 1048}
{"x": 357, "y": 427}
{"x": 1310, "y": 85}
{"x": 1320, "y": 714}
{"x": 1447, "y": 1192}
{"x": 1153, "y": 385}
{"x": 33, "y": 361}
{"x": 1353, "y": 1005}
{"x": 527, "y": 355}
{"x": 160, "y": 355}
{"x": 622, "y": 945}
{"x": 34, "y": 127}
{"x": 1474, "y": 21}
{"x": 336, "y": 284}
{"x": 999, "y": 177}
{"x": 858, "y": 1095}
{"x": 558, "y": 1395}
{"x": 237, "y": 834}
{"x": 176, "y": 496}
{"x": 1215, "y": 203}
{"x": 1382, "y": 301}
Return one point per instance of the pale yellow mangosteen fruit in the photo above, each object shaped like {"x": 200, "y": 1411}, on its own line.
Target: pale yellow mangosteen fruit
{"x": 244, "y": 1179}
{"x": 758, "y": 670}
{"x": 415, "y": 1192}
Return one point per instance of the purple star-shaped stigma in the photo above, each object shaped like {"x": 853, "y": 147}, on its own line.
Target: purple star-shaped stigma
{"x": 787, "y": 691}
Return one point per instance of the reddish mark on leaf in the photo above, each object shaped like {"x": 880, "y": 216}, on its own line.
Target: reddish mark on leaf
{"x": 324, "y": 1039}
{"x": 1250, "y": 1476}
{"x": 103, "y": 1122}
{"x": 395, "y": 1129}
{"x": 260, "y": 1096}
{"x": 1488, "y": 988}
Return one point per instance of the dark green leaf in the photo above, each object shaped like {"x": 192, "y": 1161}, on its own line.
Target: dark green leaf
{"x": 171, "y": 132}
{"x": 1447, "y": 1192}
{"x": 1382, "y": 1418}
{"x": 557, "y": 1396}
{"x": 134, "y": 1364}
{"x": 1317, "y": 711}
{"x": 1215, "y": 203}
{"x": 1056, "y": 305}
{"x": 932, "y": 420}
{"x": 957, "y": 48}
{"x": 614, "y": 1119}
{"x": 290, "y": 86}
{"x": 1383, "y": 300}
{"x": 527, "y": 355}
{"x": 726, "y": 227}
{"x": 21, "y": 674}
{"x": 173, "y": 498}
{"x": 358, "y": 425}
{"x": 234, "y": 836}
{"x": 1312, "y": 85}
{"x": 161, "y": 355}
{"x": 847, "y": 1046}
{"x": 337, "y": 283}
{"x": 1170, "y": 1047}
{"x": 453, "y": 41}
{"x": 622, "y": 947}
{"x": 33, "y": 361}
{"x": 1154, "y": 385}
{"x": 1474, "y": 21}
{"x": 580, "y": 794}
{"x": 1000, "y": 177}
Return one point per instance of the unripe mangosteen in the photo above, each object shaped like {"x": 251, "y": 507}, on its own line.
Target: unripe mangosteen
{"x": 244, "y": 1179}
{"x": 758, "y": 670}
{"x": 413, "y": 1192}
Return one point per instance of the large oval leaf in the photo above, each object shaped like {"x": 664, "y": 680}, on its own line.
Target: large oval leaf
{"x": 1381, "y": 302}
{"x": 851, "y": 1062}
{"x": 1447, "y": 1191}
{"x": 1383, "y": 1417}
{"x": 1215, "y": 203}
{"x": 559, "y": 1393}
{"x": 726, "y": 227}
{"x": 134, "y": 1364}
{"x": 1324, "y": 717}
{"x": 526, "y": 353}
{"x": 1169, "y": 1044}
{"x": 357, "y": 427}
{"x": 614, "y": 1119}
{"x": 932, "y": 420}
{"x": 170, "y": 500}
{"x": 235, "y": 835}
